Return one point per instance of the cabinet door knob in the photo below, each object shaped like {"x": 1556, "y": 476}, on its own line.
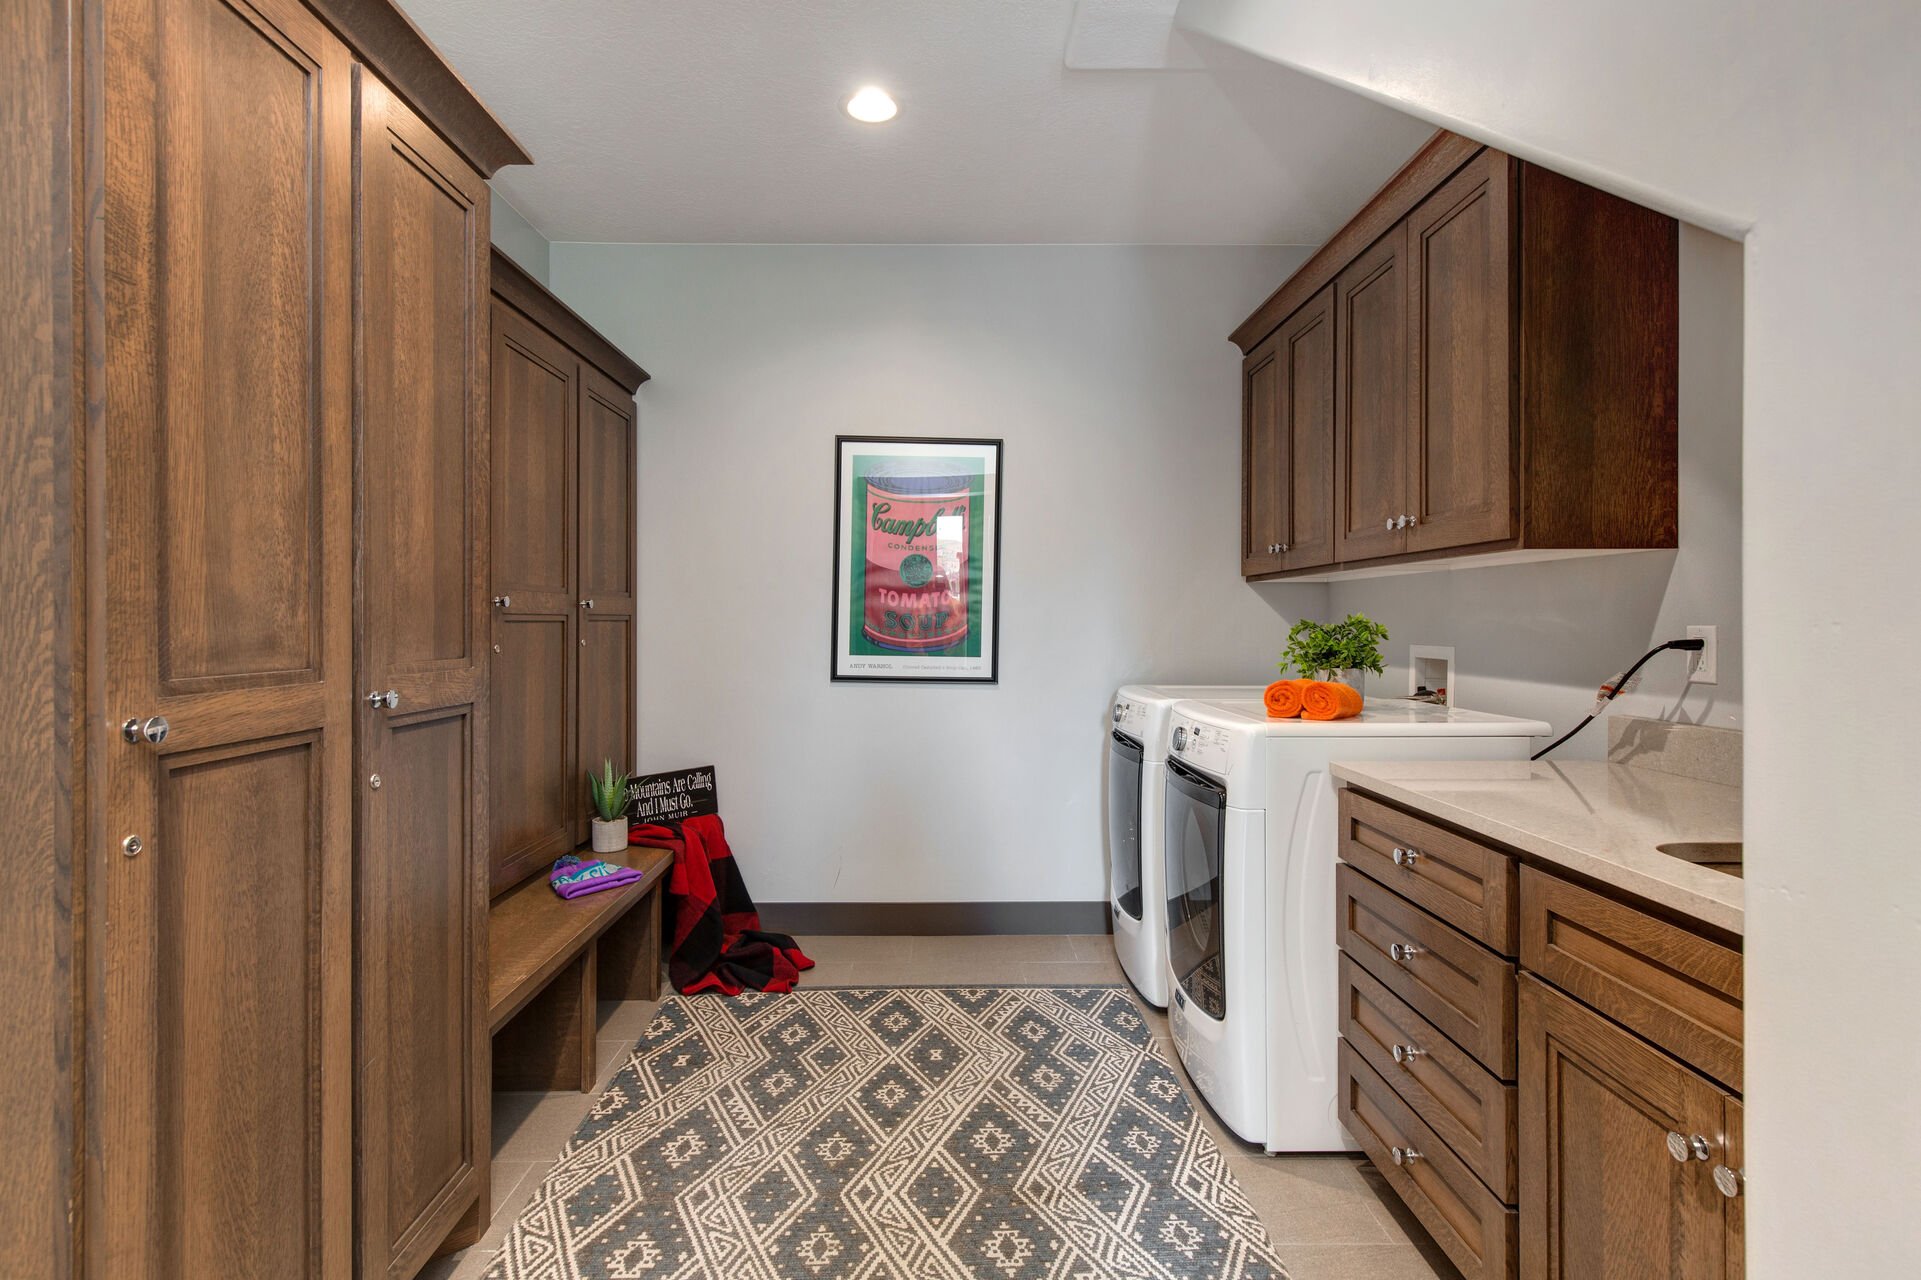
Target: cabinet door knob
{"x": 1683, "y": 1149}
{"x": 503, "y": 602}
{"x": 1404, "y": 1054}
{"x": 586, "y": 604}
{"x": 1280, "y": 546}
{"x": 1390, "y": 525}
{"x": 1406, "y": 857}
{"x": 1729, "y": 1181}
{"x": 389, "y": 699}
{"x": 152, "y": 731}
{"x": 1404, "y": 1156}
{"x": 1402, "y": 952}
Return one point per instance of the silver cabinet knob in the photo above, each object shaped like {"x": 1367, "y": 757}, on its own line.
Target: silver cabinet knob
{"x": 1729, "y": 1181}
{"x": 389, "y": 699}
{"x": 132, "y": 846}
{"x": 1281, "y": 547}
{"x": 152, "y": 730}
{"x": 1404, "y": 1156}
{"x": 1404, "y": 1054}
{"x": 1390, "y": 525}
{"x": 503, "y": 602}
{"x": 586, "y": 604}
{"x": 1683, "y": 1149}
{"x": 1402, "y": 952}
{"x": 1406, "y": 857}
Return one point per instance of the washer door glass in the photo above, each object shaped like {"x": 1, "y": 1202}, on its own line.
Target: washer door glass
{"x": 1196, "y": 833}
{"x": 1124, "y": 823}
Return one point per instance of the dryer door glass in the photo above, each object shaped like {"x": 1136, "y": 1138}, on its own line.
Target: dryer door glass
{"x": 1196, "y": 827}
{"x": 1124, "y": 823}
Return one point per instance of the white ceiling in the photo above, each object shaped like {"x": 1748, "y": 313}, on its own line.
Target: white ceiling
{"x": 691, "y": 121}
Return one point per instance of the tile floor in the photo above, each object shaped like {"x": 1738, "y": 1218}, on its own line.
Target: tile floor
{"x": 1331, "y": 1217}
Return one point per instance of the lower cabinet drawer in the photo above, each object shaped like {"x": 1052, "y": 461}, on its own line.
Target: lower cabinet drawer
{"x": 1452, "y": 1093}
{"x": 1476, "y": 1231}
{"x": 1448, "y": 978}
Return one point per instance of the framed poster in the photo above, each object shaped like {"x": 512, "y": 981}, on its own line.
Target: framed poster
{"x": 916, "y": 559}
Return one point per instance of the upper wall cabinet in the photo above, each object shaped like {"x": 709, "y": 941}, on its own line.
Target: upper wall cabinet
{"x": 1502, "y": 347}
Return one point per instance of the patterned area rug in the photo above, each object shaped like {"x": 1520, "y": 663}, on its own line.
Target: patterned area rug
{"x": 945, "y": 1133}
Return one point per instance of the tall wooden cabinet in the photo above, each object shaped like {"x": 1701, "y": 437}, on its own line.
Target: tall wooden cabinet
{"x": 563, "y": 593}
{"x": 1505, "y": 374}
{"x": 1288, "y": 441}
{"x": 279, "y": 511}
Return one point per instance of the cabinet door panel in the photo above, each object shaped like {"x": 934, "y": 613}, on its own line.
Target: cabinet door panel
{"x": 606, "y": 692}
{"x": 424, "y": 1095}
{"x": 535, "y": 392}
{"x": 1371, "y": 401}
{"x": 1307, "y": 359}
{"x": 1461, "y": 470}
{"x": 536, "y": 796}
{"x": 1601, "y": 1196}
{"x": 219, "y": 1106}
{"x": 1265, "y": 492}
{"x": 606, "y": 493}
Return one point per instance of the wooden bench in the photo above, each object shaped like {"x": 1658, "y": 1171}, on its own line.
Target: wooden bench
{"x": 551, "y": 961}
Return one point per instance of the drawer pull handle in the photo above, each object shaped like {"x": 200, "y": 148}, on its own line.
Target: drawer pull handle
{"x": 1402, "y": 952}
{"x": 1404, "y": 1054}
{"x": 1404, "y": 1156}
{"x": 1406, "y": 857}
{"x": 1728, "y": 1181}
{"x": 1685, "y": 1149}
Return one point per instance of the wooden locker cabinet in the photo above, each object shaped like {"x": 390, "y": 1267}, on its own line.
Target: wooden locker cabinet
{"x": 563, "y": 594}
{"x": 283, "y": 405}
{"x": 1287, "y": 515}
{"x": 1603, "y": 1115}
{"x": 1507, "y": 375}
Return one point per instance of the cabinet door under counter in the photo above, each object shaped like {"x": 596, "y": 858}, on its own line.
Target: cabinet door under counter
{"x": 1522, "y": 1046}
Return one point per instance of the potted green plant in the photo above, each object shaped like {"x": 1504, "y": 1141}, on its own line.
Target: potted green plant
{"x": 1339, "y": 651}
{"x": 609, "y": 791}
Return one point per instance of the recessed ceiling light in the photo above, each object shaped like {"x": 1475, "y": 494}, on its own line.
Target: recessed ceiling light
{"x": 871, "y": 105}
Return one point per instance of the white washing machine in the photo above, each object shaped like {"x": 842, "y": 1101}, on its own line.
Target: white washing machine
{"x": 1250, "y": 843}
{"x": 1136, "y": 761}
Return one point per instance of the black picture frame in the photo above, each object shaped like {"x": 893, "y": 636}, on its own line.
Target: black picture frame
{"x": 916, "y": 669}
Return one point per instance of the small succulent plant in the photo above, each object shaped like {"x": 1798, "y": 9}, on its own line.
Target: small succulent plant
{"x": 609, "y": 791}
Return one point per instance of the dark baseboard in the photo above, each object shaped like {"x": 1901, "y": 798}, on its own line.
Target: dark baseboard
{"x": 922, "y": 918}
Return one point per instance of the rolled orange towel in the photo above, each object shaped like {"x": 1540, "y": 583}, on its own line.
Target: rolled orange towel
{"x": 1329, "y": 700}
{"x": 1283, "y": 698}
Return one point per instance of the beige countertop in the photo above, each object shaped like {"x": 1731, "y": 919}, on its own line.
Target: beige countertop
{"x": 1601, "y": 820}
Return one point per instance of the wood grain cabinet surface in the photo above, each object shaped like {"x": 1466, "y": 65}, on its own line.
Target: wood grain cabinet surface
{"x": 1591, "y": 1097}
{"x": 1505, "y": 373}
{"x": 563, "y": 593}
{"x": 1288, "y": 441}
{"x": 280, "y": 508}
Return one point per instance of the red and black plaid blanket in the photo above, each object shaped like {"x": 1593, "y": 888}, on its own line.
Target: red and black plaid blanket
{"x": 718, "y": 942}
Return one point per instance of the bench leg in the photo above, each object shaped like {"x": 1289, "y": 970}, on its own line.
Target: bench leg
{"x": 549, "y": 1045}
{"x": 630, "y": 952}
{"x": 473, "y": 1224}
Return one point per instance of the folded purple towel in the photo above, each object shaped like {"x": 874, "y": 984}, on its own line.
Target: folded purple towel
{"x": 572, "y": 878}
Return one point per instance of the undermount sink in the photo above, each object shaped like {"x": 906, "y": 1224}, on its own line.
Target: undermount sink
{"x": 1717, "y": 855}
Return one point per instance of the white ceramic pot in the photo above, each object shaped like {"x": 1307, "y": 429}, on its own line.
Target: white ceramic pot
{"x": 610, "y": 837}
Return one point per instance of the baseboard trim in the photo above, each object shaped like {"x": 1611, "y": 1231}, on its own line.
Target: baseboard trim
{"x": 923, "y": 918}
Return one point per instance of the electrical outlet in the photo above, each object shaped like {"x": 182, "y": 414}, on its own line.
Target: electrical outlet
{"x": 1703, "y": 667}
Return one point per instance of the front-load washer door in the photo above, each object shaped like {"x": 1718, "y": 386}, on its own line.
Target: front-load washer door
{"x": 1196, "y": 826}
{"x": 1124, "y": 823}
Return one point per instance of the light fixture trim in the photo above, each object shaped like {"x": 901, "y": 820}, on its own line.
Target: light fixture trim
{"x": 872, "y": 104}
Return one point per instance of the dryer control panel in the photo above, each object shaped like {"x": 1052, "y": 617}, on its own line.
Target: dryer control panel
{"x": 1199, "y": 746}
{"x": 1130, "y": 718}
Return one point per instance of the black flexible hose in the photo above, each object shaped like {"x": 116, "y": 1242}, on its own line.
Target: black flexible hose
{"x": 1692, "y": 645}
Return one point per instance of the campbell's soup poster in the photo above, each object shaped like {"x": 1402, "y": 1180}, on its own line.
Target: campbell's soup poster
{"x": 916, "y": 559}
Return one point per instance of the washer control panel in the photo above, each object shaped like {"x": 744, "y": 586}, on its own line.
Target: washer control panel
{"x": 1131, "y": 718}
{"x": 1200, "y": 746}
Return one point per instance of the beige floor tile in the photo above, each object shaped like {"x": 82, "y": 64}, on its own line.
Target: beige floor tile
{"x": 843, "y": 949}
{"x": 1031, "y": 947}
{"x": 1290, "y": 1184}
{"x": 471, "y": 1263}
{"x": 1093, "y": 946}
{"x": 1360, "y": 1262}
{"x": 1074, "y": 973}
{"x": 534, "y": 1126}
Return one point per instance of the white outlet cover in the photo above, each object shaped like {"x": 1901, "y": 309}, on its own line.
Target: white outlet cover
{"x": 1704, "y": 667}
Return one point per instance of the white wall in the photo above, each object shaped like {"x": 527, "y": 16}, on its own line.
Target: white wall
{"x": 516, "y": 237}
{"x": 1536, "y": 639}
{"x": 1793, "y": 122}
{"x": 1108, "y": 372}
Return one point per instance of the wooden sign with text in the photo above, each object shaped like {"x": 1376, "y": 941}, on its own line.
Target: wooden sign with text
{"x": 674, "y": 795}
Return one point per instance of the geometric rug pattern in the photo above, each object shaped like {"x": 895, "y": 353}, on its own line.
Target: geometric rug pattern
{"x": 932, "y": 1133}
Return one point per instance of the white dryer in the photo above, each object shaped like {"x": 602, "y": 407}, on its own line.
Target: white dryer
{"x": 1136, "y": 762}
{"x": 1249, "y": 846}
